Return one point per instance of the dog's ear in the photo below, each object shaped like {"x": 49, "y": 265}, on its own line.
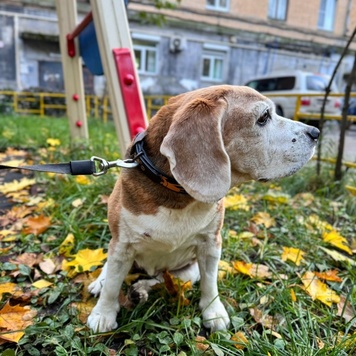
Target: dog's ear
{"x": 195, "y": 149}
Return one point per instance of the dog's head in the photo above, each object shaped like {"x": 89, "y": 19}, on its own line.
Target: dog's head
{"x": 224, "y": 135}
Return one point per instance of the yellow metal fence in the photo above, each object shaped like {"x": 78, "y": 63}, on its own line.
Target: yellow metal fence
{"x": 48, "y": 104}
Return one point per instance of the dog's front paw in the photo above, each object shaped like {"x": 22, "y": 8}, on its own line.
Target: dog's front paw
{"x": 102, "y": 321}
{"x": 215, "y": 316}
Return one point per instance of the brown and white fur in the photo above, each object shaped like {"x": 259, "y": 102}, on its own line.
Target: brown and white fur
{"x": 209, "y": 140}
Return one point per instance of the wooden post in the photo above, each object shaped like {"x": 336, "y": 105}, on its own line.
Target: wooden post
{"x": 72, "y": 71}
{"x": 113, "y": 32}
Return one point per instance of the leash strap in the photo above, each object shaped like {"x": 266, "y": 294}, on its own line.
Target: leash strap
{"x": 95, "y": 166}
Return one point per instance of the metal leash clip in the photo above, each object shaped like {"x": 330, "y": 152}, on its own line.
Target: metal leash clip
{"x": 102, "y": 165}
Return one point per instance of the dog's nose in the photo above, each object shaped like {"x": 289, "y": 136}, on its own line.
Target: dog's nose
{"x": 313, "y": 133}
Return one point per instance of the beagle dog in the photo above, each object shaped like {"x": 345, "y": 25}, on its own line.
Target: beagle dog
{"x": 167, "y": 213}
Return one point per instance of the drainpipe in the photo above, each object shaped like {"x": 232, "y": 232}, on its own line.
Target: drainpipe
{"x": 347, "y": 17}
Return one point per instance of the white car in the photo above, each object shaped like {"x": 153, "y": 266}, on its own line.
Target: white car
{"x": 297, "y": 82}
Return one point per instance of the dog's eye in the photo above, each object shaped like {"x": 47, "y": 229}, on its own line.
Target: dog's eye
{"x": 263, "y": 119}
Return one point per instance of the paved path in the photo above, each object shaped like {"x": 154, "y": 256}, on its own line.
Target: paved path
{"x": 331, "y": 141}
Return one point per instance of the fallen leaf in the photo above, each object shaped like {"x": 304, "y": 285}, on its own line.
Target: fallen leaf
{"x": 293, "y": 254}
{"x": 13, "y": 320}
{"x": 236, "y": 202}
{"x": 77, "y": 203}
{"x": 263, "y": 218}
{"x": 7, "y": 288}
{"x": 266, "y": 320}
{"x": 252, "y": 270}
{"x": 330, "y": 275}
{"x": 337, "y": 256}
{"x": 84, "y": 309}
{"x": 335, "y": 239}
{"x": 240, "y": 340}
{"x": 176, "y": 288}
{"x": 37, "y": 225}
{"x": 318, "y": 290}
{"x": 67, "y": 245}
{"x": 345, "y": 309}
{"x": 82, "y": 180}
{"x": 224, "y": 269}
{"x": 201, "y": 343}
{"x": 292, "y": 295}
{"x": 16, "y": 185}
{"x": 48, "y": 266}
{"x": 83, "y": 261}
{"x": 276, "y": 197}
{"x": 42, "y": 283}
{"x": 53, "y": 142}
{"x": 314, "y": 222}
{"x": 351, "y": 189}
{"x": 29, "y": 259}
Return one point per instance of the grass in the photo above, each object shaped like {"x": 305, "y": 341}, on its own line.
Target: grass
{"x": 164, "y": 326}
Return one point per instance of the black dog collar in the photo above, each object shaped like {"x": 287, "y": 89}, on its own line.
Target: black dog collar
{"x": 140, "y": 156}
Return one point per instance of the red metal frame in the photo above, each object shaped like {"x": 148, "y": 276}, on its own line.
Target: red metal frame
{"x": 71, "y": 36}
{"x": 130, "y": 90}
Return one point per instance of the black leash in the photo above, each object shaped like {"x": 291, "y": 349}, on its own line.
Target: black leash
{"x": 96, "y": 166}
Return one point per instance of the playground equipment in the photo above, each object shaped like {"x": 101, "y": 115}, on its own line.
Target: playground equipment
{"x": 102, "y": 40}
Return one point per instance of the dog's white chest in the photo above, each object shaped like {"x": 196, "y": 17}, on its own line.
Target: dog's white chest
{"x": 168, "y": 239}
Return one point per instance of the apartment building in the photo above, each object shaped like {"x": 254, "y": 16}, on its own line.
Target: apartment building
{"x": 200, "y": 43}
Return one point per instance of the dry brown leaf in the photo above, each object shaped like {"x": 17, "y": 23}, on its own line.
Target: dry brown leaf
{"x": 29, "y": 259}
{"x": 37, "y": 225}
{"x": 13, "y": 320}
{"x": 267, "y": 321}
{"x": 176, "y": 288}
{"x": 345, "y": 309}
{"x": 330, "y": 275}
{"x": 201, "y": 343}
{"x": 48, "y": 266}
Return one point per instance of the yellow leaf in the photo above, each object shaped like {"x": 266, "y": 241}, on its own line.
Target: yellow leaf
{"x": 240, "y": 340}
{"x": 276, "y": 197}
{"x": 224, "y": 268}
{"x": 265, "y": 219}
{"x": 67, "y": 245}
{"x": 7, "y": 288}
{"x": 83, "y": 180}
{"x": 14, "y": 320}
{"x": 77, "y": 203}
{"x": 318, "y": 224}
{"x": 292, "y": 295}
{"x": 351, "y": 189}
{"x": 236, "y": 202}
{"x": 293, "y": 254}
{"x": 252, "y": 270}
{"x": 335, "y": 239}
{"x": 53, "y": 142}
{"x": 84, "y": 260}
{"x": 201, "y": 343}
{"x": 337, "y": 256}
{"x": 16, "y": 185}
{"x": 318, "y": 290}
{"x": 42, "y": 283}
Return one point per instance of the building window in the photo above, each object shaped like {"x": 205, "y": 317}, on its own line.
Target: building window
{"x": 327, "y": 12}
{"x": 146, "y": 58}
{"x": 277, "y": 9}
{"x": 213, "y": 66}
{"x": 218, "y": 5}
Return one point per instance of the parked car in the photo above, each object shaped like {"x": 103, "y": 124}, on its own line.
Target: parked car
{"x": 297, "y": 82}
